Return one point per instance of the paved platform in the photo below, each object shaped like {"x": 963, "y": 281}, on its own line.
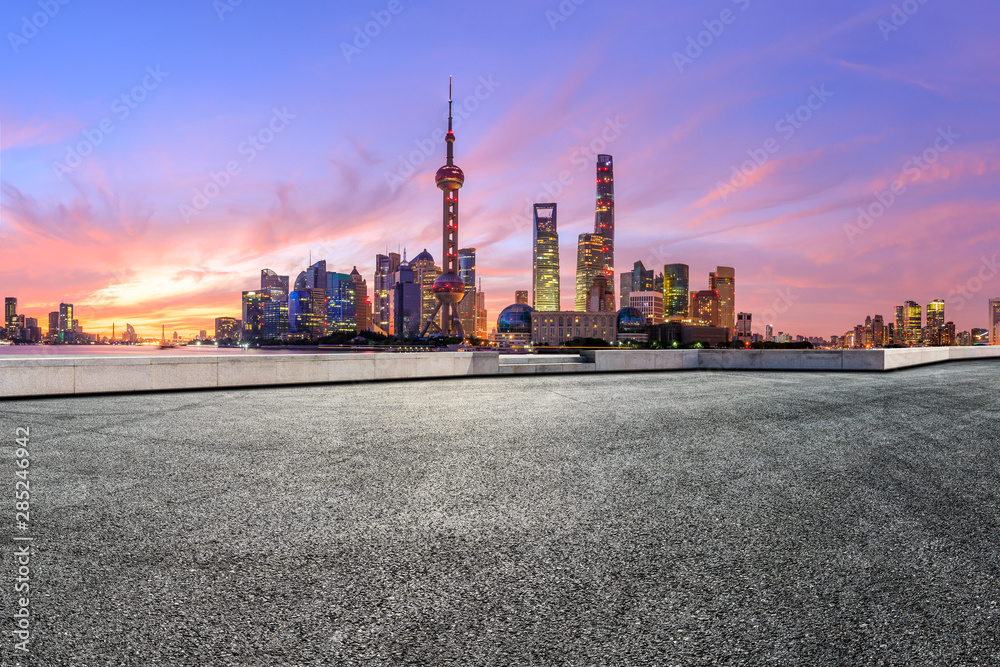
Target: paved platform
{"x": 624, "y": 519}
{"x": 46, "y": 375}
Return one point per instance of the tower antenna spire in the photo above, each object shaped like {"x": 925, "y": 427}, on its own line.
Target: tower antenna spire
{"x": 450, "y": 138}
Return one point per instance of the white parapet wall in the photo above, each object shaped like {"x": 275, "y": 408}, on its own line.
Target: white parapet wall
{"x": 44, "y": 375}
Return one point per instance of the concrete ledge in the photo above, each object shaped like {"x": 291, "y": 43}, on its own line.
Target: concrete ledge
{"x": 47, "y": 375}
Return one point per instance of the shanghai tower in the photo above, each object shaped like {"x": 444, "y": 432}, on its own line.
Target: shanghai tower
{"x": 604, "y": 222}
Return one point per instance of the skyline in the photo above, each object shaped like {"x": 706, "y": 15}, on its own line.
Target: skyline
{"x": 322, "y": 172}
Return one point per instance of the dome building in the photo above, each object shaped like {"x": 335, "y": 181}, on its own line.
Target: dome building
{"x": 632, "y": 325}
{"x": 514, "y": 326}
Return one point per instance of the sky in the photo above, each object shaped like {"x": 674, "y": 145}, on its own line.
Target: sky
{"x": 843, "y": 157}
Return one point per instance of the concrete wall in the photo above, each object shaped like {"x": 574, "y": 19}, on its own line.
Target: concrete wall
{"x": 48, "y": 376}
{"x": 41, "y": 376}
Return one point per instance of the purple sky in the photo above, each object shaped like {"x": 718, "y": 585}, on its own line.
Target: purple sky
{"x": 833, "y": 101}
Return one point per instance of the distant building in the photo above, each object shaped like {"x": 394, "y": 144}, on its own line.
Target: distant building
{"x": 723, "y": 280}
{"x": 467, "y": 306}
{"x": 589, "y": 265}
{"x": 935, "y": 322}
{"x": 604, "y": 220}
{"x": 274, "y": 320}
{"x": 521, "y": 296}
{"x": 744, "y": 325}
{"x": 425, "y": 272}
{"x": 227, "y": 328}
{"x": 10, "y": 317}
{"x": 705, "y": 308}
{"x": 913, "y": 323}
{"x": 994, "y": 322}
{"x": 253, "y": 314}
{"x": 406, "y": 302}
{"x": 482, "y": 317}
{"x": 558, "y": 327}
{"x": 768, "y": 333}
{"x": 340, "y": 303}
{"x": 362, "y": 305}
{"x": 649, "y": 303}
{"x": 545, "y": 262}
{"x": 676, "y": 290}
{"x": 386, "y": 267}
{"x": 638, "y": 280}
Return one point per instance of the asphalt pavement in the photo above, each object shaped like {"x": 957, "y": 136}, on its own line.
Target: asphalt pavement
{"x": 735, "y": 518}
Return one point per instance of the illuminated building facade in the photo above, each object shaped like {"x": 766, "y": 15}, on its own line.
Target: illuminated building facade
{"x": 558, "y": 327}
{"x": 253, "y": 314}
{"x": 744, "y": 327}
{"x": 676, "y": 290}
{"x": 589, "y": 265}
{"x": 521, "y": 296}
{"x": 705, "y": 308}
{"x": 275, "y": 308}
{"x": 467, "y": 272}
{"x": 994, "y": 322}
{"x": 10, "y": 316}
{"x": 935, "y": 322}
{"x": 362, "y": 305}
{"x": 227, "y": 328}
{"x": 545, "y": 267}
{"x": 340, "y": 304}
{"x": 406, "y": 304}
{"x": 649, "y": 303}
{"x": 604, "y": 217}
{"x": 425, "y": 272}
{"x": 386, "y": 267}
{"x": 913, "y": 326}
{"x": 482, "y": 317}
{"x": 66, "y": 333}
{"x": 723, "y": 280}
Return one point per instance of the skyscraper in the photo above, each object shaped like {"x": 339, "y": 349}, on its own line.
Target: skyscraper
{"x": 10, "y": 315}
{"x": 448, "y": 288}
{"x": 706, "y": 306}
{"x": 744, "y": 327}
{"x": 406, "y": 305}
{"x": 638, "y": 280}
{"x": 362, "y": 306}
{"x": 545, "y": 267}
{"x": 935, "y": 322}
{"x": 724, "y": 280}
{"x": 340, "y": 303}
{"x": 253, "y": 314}
{"x": 467, "y": 272}
{"x": 521, "y": 296}
{"x": 386, "y": 267}
{"x": 994, "y": 321}
{"x": 912, "y": 314}
{"x": 66, "y": 323}
{"x": 589, "y": 264}
{"x": 604, "y": 217}
{"x": 275, "y": 308}
{"x": 676, "y": 290}
{"x": 898, "y": 334}
{"x": 226, "y": 328}
{"x": 481, "y": 314}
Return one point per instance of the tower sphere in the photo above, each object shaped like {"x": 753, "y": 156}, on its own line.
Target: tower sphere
{"x": 450, "y": 177}
{"x": 448, "y": 288}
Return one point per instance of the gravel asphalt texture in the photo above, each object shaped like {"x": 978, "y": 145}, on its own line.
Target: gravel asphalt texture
{"x": 629, "y": 519}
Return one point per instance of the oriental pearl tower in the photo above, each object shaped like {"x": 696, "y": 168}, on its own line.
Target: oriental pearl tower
{"x": 449, "y": 288}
